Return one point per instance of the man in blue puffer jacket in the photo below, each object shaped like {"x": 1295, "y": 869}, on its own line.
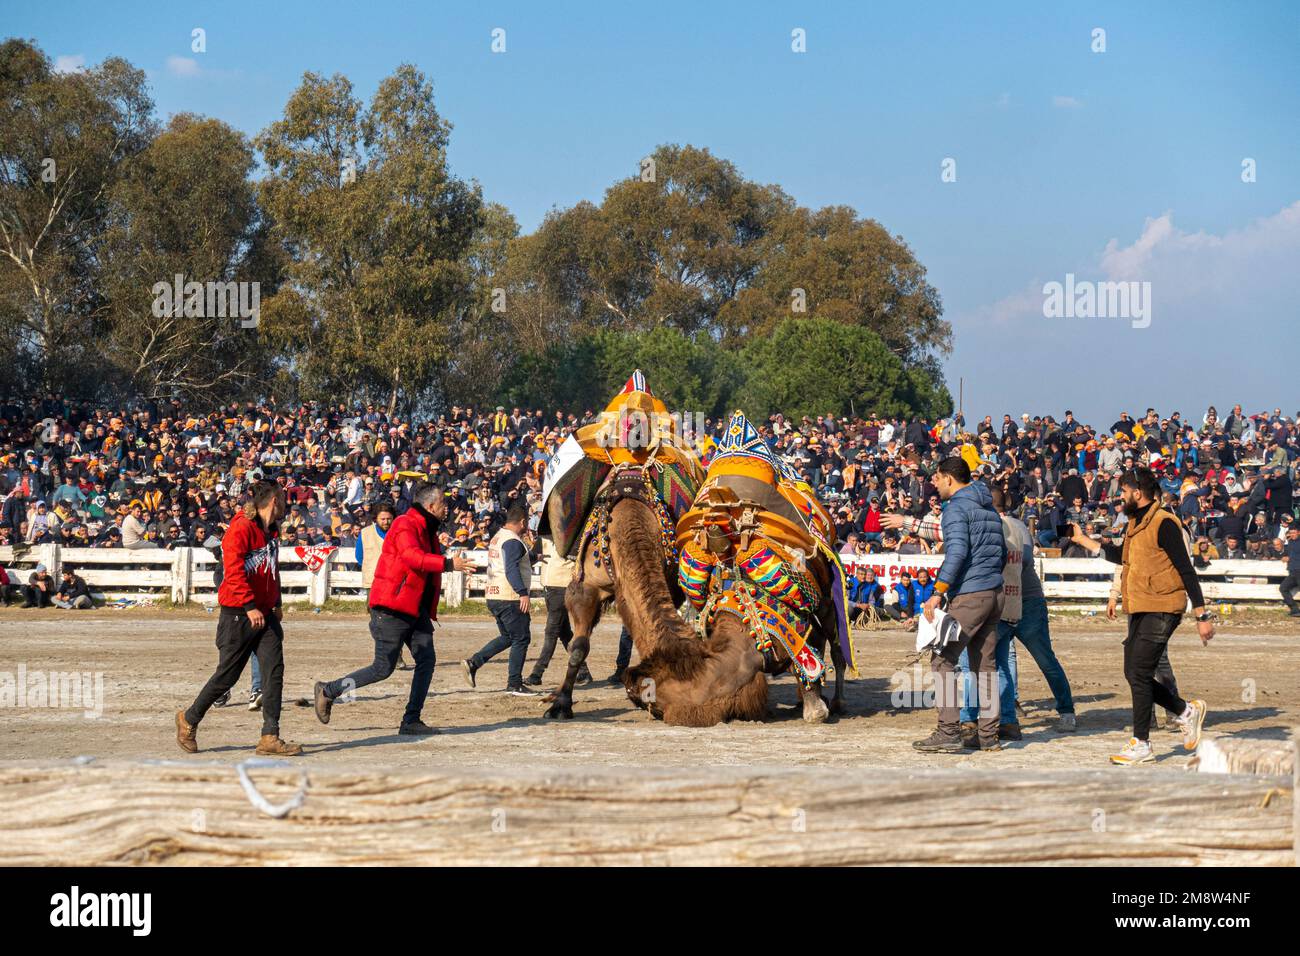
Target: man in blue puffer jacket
{"x": 968, "y": 587}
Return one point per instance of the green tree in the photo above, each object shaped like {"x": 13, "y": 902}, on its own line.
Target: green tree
{"x": 697, "y": 248}
{"x": 814, "y": 366}
{"x": 378, "y": 232}
{"x": 63, "y": 140}
{"x": 185, "y": 206}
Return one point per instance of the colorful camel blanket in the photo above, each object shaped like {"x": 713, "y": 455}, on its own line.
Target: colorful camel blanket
{"x": 634, "y": 430}
{"x": 755, "y": 522}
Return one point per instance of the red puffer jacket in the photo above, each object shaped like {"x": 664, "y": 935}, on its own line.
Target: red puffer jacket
{"x": 411, "y": 553}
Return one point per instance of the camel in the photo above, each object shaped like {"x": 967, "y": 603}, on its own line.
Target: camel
{"x": 731, "y": 682}
{"x": 756, "y": 553}
{"x": 635, "y": 578}
{"x": 682, "y": 679}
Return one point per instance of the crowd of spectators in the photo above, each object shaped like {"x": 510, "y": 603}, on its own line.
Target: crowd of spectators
{"x": 164, "y": 476}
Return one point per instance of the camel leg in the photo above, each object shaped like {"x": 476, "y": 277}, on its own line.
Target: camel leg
{"x": 583, "y": 604}
{"x": 815, "y": 710}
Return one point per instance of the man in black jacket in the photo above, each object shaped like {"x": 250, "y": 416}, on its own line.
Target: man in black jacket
{"x": 73, "y": 594}
{"x": 1291, "y": 583}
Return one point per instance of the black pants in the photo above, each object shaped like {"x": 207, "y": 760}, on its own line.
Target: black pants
{"x": 1165, "y": 677}
{"x": 35, "y": 597}
{"x": 558, "y": 629}
{"x": 236, "y": 643}
{"x": 1147, "y": 642}
{"x": 390, "y": 633}
{"x": 1290, "y": 584}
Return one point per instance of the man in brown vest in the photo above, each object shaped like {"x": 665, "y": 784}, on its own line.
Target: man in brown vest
{"x": 1157, "y": 582}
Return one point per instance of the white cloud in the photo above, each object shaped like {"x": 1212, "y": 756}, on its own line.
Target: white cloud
{"x": 182, "y": 66}
{"x": 70, "y": 63}
{"x": 1197, "y": 277}
{"x": 1067, "y": 103}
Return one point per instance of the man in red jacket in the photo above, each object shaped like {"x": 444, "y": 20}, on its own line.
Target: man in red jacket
{"x": 403, "y": 607}
{"x": 249, "y": 624}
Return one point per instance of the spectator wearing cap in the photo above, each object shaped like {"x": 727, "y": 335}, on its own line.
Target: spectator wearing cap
{"x": 39, "y": 591}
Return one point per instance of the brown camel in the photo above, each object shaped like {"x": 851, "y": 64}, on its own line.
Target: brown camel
{"x": 682, "y": 679}
{"x": 732, "y": 684}
{"x": 641, "y": 588}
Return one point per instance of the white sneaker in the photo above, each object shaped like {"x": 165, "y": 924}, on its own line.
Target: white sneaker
{"x": 1192, "y": 724}
{"x": 1134, "y": 752}
{"x": 1066, "y": 723}
{"x": 255, "y": 700}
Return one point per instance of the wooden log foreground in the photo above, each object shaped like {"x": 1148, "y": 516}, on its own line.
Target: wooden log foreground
{"x": 198, "y": 814}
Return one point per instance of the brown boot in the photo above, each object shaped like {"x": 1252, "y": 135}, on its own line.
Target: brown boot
{"x": 272, "y": 746}
{"x": 185, "y": 734}
{"x": 970, "y": 738}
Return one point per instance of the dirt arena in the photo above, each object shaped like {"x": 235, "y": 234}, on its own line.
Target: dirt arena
{"x": 155, "y": 661}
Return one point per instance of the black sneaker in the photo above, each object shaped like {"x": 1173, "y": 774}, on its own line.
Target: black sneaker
{"x": 615, "y": 678}
{"x": 584, "y": 677}
{"x": 939, "y": 743}
{"x": 468, "y": 670}
{"x": 222, "y": 701}
{"x": 417, "y": 728}
{"x": 534, "y": 679}
{"x": 1295, "y": 612}
{"x": 519, "y": 690}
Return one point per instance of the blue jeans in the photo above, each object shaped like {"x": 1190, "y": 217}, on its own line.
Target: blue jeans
{"x": 1005, "y": 656}
{"x": 512, "y": 627}
{"x": 257, "y": 676}
{"x": 624, "y": 650}
{"x": 1033, "y": 633}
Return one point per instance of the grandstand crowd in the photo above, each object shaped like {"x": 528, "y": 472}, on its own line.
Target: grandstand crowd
{"x": 161, "y": 475}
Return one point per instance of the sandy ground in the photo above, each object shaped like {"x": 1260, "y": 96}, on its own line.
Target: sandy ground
{"x": 153, "y": 663}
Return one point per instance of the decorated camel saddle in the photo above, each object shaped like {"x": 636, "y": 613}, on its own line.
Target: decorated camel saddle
{"x": 634, "y": 449}
{"x": 758, "y": 544}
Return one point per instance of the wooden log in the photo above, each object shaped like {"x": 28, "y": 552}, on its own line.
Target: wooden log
{"x": 1245, "y": 755}
{"x": 196, "y": 813}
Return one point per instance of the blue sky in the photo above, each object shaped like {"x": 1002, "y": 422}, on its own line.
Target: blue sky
{"x": 1122, "y": 165}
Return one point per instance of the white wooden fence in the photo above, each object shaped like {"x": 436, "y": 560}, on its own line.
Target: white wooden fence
{"x": 185, "y": 575}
